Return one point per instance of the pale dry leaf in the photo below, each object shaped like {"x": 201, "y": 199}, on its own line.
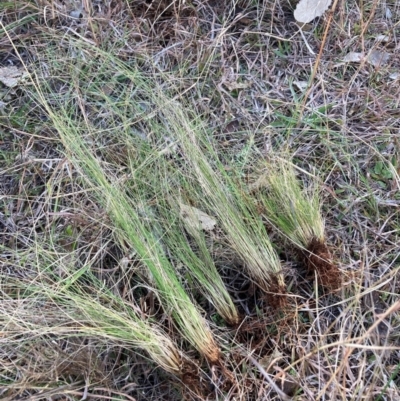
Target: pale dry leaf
{"x": 269, "y": 359}
{"x": 195, "y": 219}
{"x": 170, "y": 146}
{"x": 11, "y": 76}
{"x": 261, "y": 182}
{"x": 307, "y": 10}
{"x": 382, "y": 38}
{"x": 231, "y": 80}
{"x": 378, "y": 58}
{"x": 353, "y": 57}
{"x": 76, "y": 14}
{"x": 236, "y": 85}
{"x": 375, "y": 57}
{"x": 302, "y": 85}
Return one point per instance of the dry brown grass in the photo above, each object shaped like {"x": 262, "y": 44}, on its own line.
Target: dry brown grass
{"x": 243, "y": 68}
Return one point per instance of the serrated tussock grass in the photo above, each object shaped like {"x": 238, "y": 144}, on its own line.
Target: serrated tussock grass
{"x": 296, "y": 212}
{"x": 223, "y": 195}
{"x": 131, "y": 227}
{"x": 65, "y": 308}
{"x": 199, "y": 265}
{"x": 166, "y": 122}
{"x": 160, "y": 182}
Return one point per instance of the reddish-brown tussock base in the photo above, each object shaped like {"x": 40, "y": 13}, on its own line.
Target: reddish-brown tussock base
{"x": 214, "y": 356}
{"x": 318, "y": 259}
{"x": 233, "y": 322}
{"x": 192, "y": 379}
{"x": 199, "y": 386}
{"x": 276, "y": 296}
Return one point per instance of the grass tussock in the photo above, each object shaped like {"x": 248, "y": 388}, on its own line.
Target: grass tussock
{"x": 296, "y": 212}
{"x": 137, "y": 259}
{"x": 224, "y": 196}
{"x": 134, "y": 230}
{"x": 61, "y": 310}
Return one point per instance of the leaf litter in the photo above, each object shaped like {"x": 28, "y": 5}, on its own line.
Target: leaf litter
{"x": 12, "y": 76}
{"x": 376, "y": 58}
{"x": 195, "y": 219}
{"x": 308, "y": 10}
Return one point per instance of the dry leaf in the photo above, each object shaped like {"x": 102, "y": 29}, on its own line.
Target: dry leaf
{"x": 353, "y": 57}
{"x": 269, "y": 359}
{"x": 302, "y": 85}
{"x": 236, "y": 85}
{"x": 378, "y": 58}
{"x": 375, "y": 58}
{"x": 195, "y": 219}
{"x": 382, "y": 38}
{"x": 170, "y": 147}
{"x": 11, "y": 76}
{"x": 231, "y": 80}
{"x": 76, "y": 14}
{"x": 307, "y": 10}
